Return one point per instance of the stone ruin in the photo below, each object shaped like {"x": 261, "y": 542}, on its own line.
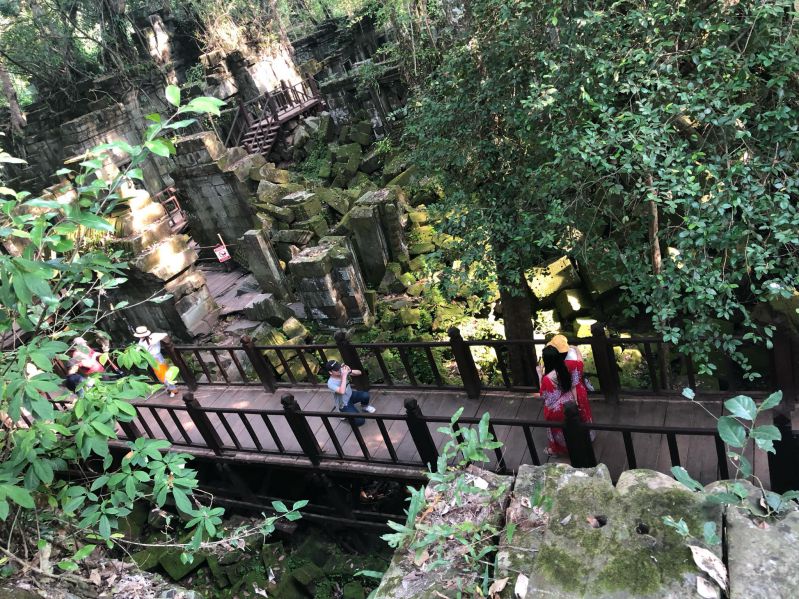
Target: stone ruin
{"x": 570, "y": 532}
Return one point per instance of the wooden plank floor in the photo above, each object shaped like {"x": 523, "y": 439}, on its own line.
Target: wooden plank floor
{"x": 251, "y": 433}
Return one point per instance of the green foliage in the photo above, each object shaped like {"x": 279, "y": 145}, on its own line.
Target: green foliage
{"x": 53, "y": 286}
{"x": 475, "y": 539}
{"x": 738, "y": 431}
{"x": 592, "y": 115}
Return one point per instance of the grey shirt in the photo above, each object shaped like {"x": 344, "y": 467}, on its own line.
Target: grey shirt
{"x": 342, "y": 399}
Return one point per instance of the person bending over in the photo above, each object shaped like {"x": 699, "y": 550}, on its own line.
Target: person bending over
{"x": 343, "y": 394}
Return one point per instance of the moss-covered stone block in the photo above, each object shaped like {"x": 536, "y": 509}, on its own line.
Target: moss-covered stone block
{"x": 353, "y": 590}
{"x": 405, "y": 178}
{"x": 416, "y": 289}
{"x": 582, "y": 326}
{"x": 269, "y": 172}
{"x": 308, "y": 576}
{"x": 147, "y": 559}
{"x": 547, "y": 280}
{"x": 349, "y": 157}
{"x": 418, "y": 217}
{"x": 571, "y": 302}
{"x": 334, "y": 198}
{"x": 410, "y": 316}
{"x": 171, "y": 563}
{"x": 418, "y": 249}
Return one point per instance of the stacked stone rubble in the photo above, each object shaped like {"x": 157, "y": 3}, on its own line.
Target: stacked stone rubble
{"x": 328, "y": 282}
{"x": 161, "y": 266}
{"x": 216, "y": 197}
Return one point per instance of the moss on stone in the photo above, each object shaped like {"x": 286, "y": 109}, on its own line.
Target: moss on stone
{"x": 560, "y": 567}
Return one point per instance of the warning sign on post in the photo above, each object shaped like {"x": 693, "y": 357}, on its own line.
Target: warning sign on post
{"x": 221, "y": 253}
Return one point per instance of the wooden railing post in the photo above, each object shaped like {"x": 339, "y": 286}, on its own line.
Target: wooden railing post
{"x": 782, "y": 357}
{"x": 185, "y": 372}
{"x": 420, "y": 433}
{"x": 605, "y": 363}
{"x": 578, "y": 438}
{"x": 465, "y": 361}
{"x": 131, "y": 431}
{"x": 202, "y": 423}
{"x": 349, "y": 355}
{"x": 301, "y": 429}
{"x": 262, "y": 368}
{"x": 783, "y": 464}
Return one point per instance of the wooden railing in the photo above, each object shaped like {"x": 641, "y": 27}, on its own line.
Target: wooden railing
{"x": 448, "y": 365}
{"x": 290, "y": 433}
{"x": 168, "y": 198}
{"x": 260, "y": 113}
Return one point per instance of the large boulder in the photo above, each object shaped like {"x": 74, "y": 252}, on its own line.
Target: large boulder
{"x": 547, "y": 280}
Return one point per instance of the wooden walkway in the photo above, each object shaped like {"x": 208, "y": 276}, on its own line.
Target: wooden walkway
{"x": 247, "y": 436}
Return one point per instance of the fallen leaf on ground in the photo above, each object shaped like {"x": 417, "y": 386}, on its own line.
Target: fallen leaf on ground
{"x": 94, "y": 576}
{"x": 710, "y": 564}
{"x": 705, "y": 589}
{"x": 497, "y": 586}
{"x": 520, "y": 588}
{"x": 480, "y": 483}
{"x": 525, "y": 501}
{"x": 566, "y": 520}
{"x": 420, "y": 558}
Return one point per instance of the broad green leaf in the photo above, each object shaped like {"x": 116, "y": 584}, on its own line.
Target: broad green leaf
{"x": 160, "y": 147}
{"x": 104, "y": 527}
{"x": 182, "y": 501}
{"x": 172, "y": 94}
{"x": 19, "y": 495}
{"x": 742, "y": 406}
{"x": 204, "y": 105}
{"x": 280, "y": 507}
{"x": 772, "y": 401}
{"x": 92, "y": 221}
{"x": 83, "y": 552}
{"x": 681, "y": 474}
{"x": 709, "y": 533}
{"x": 731, "y": 431}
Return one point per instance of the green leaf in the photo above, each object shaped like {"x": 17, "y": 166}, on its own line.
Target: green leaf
{"x": 172, "y": 94}
{"x": 742, "y": 406}
{"x": 182, "y": 500}
{"x": 370, "y": 574}
{"x": 67, "y": 565}
{"x": 181, "y": 124}
{"x": 83, "y": 552}
{"x": 681, "y": 474}
{"x": 160, "y": 147}
{"x": 280, "y": 507}
{"x": 4, "y": 508}
{"x": 298, "y": 505}
{"x": 92, "y": 221}
{"x": 709, "y": 533}
{"x": 772, "y": 401}
{"x": 765, "y": 435}
{"x": 731, "y": 431}
{"x": 204, "y": 105}
{"x": 104, "y": 527}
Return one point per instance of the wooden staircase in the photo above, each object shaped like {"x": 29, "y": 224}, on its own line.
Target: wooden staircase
{"x": 257, "y": 123}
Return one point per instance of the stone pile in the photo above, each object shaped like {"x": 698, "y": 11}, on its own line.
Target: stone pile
{"x": 570, "y": 532}
{"x": 162, "y": 264}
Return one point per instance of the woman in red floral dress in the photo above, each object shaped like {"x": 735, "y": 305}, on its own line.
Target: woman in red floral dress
{"x": 562, "y": 383}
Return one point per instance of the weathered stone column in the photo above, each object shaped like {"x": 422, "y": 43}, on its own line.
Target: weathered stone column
{"x": 328, "y": 281}
{"x": 264, "y": 264}
{"x": 370, "y": 241}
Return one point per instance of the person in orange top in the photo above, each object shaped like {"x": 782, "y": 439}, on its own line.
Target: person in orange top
{"x": 562, "y": 382}
{"x": 151, "y": 342}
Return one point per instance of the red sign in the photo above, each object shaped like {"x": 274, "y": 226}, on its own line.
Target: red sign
{"x": 221, "y": 253}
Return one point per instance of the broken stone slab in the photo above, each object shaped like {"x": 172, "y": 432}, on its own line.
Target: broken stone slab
{"x": 266, "y": 308}
{"x": 405, "y": 178}
{"x": 150, "y": 236}
{"x": 371, "y": 162}
{"x": 571, "y": 302}
{"x": 294, "y": 328}
{"x": 364, "y": 220}
{"x": 279, "y": 213}
{"x": 272, "y": 174}
{"x": 207, "y": 142}
{"x": 293, "y": 236}
{"x": 317, "y": 224}
{"x": 273, "y": 193}
{"x": 245, "y": 166}
{"x": 230, "y": 157}
{"x": 576, "y": 535}
{"x": 762, "y": 558}
{"x": 391, "y": 283}
{"x": 326, "y": 131}
{"x": 547, "y": 280}
{"x": 264, "y": 264}
{"x": 349, "y": 156}
{"x": 404, "y": 579}
{"x": 598, "y": 281}
{"x": 136, "y": 222}
{"x": 167, "y": 259}
{"x": 335, "y": 199}
{"x": 304, "y": 204}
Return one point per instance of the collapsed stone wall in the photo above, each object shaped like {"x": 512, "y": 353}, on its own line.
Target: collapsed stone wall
{"x": 569, "y": 532}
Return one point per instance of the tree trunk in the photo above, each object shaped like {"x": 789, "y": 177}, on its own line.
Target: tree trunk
{"x": 18, "y": 121}
{"x": 517, "y": 315}
{"x": 664, "y": 355}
